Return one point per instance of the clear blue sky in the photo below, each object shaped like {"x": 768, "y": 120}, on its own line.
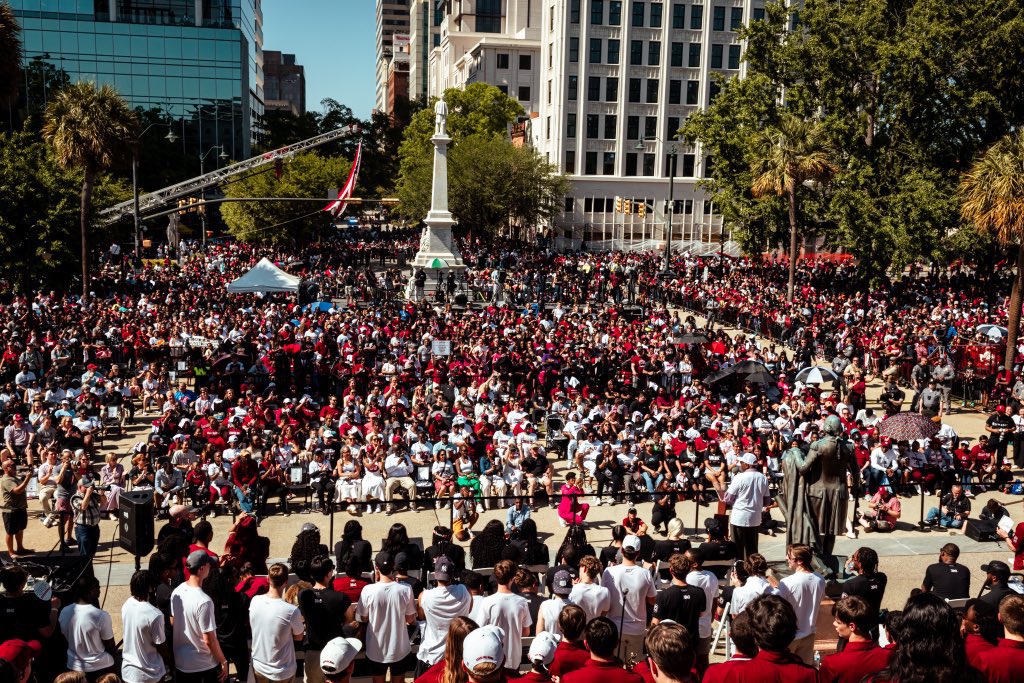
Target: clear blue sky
{"x": 334, "y": 40}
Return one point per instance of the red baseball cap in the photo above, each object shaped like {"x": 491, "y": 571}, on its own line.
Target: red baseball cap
{"x": 1000, "y": 409}
{"x": 19, "y": 652}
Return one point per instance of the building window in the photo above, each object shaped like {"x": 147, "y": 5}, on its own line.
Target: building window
{"x": 524, "y": 93}
{"x": 734, "y": 56}
{"x": 650, "y": 126}
{"x": 593, "y": 88}
{"x": 573, "y": 86}
{"x": 654, "y": 53}
{"x": 735, "y": 18}
{"x": 570, "y": 203}
{"x": 675, "y": 92}
{"x": 547, "y": 128}
{"x": 716, "y": 56}
{"x": 696, "y": 17}
{"x": 678, "y": 15}
{"x": 595, "y": 50}
{"x": 525, "y": 62}
{"x": 590, "y": 164}
{"x": 570, "y": 163}
{"x": 488, "y": 16}
{"x": 574, "y": 51}
{"x": 759, "y": 14}
{"x": 615, "y": 12}
{"x": 687, "y": 206}
{"x": 672, "y": 129}
{"x": 597, "y": 12}
{"x": 588, "y": 202}
{"x": 652, "y": 91}
{"x": 611, "y": 123}
{"x": 718, "y": 19}
{"x": 551, "y": 55}
{"x": 656, "y": 10}
{"x": 574, "y": 11}
{"x": 593, "y": 125}
{"x": 502, "y": 60}
{"x": 609, "y": 163}
{"x": 648, "y": 164}
{"x": 549, "y": 91}
{"x": 611, "y": 89}
{"x": 613, "y": 50}
{"x": 694, "y": 55}
{"x": 632, "y": 127}
{"x": 636, "y": 52}
{"x": 631, "y": 164}
{"x": 570, "y": 126}
{"x": 638, "y": 14}
{"x": 677, "y": 54}
{"x": 692, "y": 92}
{"x": 713, "y": 92}
{"x": 634, "y": 90}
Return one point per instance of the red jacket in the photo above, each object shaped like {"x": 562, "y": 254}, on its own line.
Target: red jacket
{"x": 1003, "y": 663}
{"x": 857, "y": 660}
{"x": 719, "y": 673}
{"x": 568, "y": 657}
{"x": 601, "y": 672}
{"x": 975, "y": 646}
{"x": 771, "y": 667}
{"x": 433, "y": 674}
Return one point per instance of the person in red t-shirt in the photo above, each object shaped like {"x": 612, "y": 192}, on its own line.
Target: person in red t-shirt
{"x": 570, "y": 654}
{"x": 774, "y": 663}
{"x": 744, "y": 649}
{"x": 601, "y": 637}
{"x": 853, "y": 619}
{"x": 980, "y": 628}
{"x": 1005, "y": 662}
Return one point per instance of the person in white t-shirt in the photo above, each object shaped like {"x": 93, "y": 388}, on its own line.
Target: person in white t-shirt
{"x": 707, "y": 582}
{"x": 594, "y": 599}
{"x": 386, "y": 607}
{"x": 275, "y": 626}
{"x": 145, "y": 649}
{"x": 632, "y": 589}
{"x": 197, "y": 654}
{"x": 547, "y": 615}
{"x": 88, "y": 630}
{"x": 438, "y": 606}
{"x": 803, "y": 589}
{"x": 509, "y": 612}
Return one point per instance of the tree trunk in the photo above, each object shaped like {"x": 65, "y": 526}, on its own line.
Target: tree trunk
{"x": 791, "y": 192}
{"x": 83, "y": 218}
{"x": 1013, "y": 323}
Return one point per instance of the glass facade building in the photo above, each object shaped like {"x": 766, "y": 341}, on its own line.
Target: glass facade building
{"x": 200, "y": 62}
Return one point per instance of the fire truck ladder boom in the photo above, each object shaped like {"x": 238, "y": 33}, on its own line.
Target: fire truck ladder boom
{"x": 163, "y": 197}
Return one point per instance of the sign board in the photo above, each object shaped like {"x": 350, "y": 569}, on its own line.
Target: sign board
{"x": 401, "y": 50}
{"x": 202, "y": 343}
{"x": 440, "y": 347}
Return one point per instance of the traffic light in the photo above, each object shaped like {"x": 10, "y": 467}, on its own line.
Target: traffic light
{"x": 618, "y": 205}
{"x": 641, "y": 208}
{"x": 182, "y": 204}
{"x": 627, "y": 206}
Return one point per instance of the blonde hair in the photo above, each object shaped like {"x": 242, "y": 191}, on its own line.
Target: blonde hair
{"x": 71, "y": 677}
{"x": 454, "y": 672}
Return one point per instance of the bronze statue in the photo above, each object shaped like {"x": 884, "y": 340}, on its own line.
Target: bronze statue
{"x": 827, "y": 473}
{"x": 793, "y": 499}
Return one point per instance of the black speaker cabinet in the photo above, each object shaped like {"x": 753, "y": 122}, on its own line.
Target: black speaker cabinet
{"x": 135, "y": 530}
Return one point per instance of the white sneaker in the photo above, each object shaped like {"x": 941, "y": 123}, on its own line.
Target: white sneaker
{"x": 438, "y": 505}
{"x": 479, "y": 508}
{"x": 561, "y": 522}
{"x": 596, "y": 502}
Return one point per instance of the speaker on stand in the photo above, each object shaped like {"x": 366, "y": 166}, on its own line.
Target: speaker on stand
{"x": 135, "y": 527}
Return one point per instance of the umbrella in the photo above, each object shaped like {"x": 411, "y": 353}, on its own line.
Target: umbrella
{"x": 718, "y": 376}
{"x": 691, "y": 338}
{"x": 747, "y": 367}
{"x": 319, "y": 307}
{"x": 221, "y": 362}
{"x": 907, "y": 427}
{"x": 816, "y": 375}
{"x": 760, "y": 378}
{"x": 992, "y": 331}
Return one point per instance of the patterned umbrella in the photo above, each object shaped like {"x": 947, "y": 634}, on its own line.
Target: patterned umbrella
{"x": 992, "y": 331}
{"x": 908, "y": 426}
{"x": 690, "y": 338}
{"x": 816, "y": 374}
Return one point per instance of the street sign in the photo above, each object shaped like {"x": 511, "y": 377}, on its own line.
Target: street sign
{"x": 440, "y": 347}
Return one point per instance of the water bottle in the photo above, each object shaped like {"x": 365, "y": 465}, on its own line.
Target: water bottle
{"x": 817, "y": 659}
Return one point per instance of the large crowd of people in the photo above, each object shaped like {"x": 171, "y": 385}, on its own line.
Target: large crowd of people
{"x": 374, "y": 401}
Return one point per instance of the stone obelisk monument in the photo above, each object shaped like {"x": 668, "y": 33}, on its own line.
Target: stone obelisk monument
{"x": 437, "y": 250}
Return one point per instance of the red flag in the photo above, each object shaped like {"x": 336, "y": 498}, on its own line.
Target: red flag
{"x": 337, "y": 207}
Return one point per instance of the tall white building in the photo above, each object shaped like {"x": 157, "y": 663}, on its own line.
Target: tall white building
{"x": 392, "y": 18}
{"x": 611, "y": 82}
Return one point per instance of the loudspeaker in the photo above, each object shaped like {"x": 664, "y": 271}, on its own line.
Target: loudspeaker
{"x": 980, "y": 530}
{"x": 135, "y": 530}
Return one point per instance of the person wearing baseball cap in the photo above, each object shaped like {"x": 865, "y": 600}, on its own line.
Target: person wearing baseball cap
{"x": 383, "y": 606}
{"x": 632, "y": 589}
{"x": 437, "y": 607}
{"x": 483, "y": 654}
{"x": 197, "y": 653}
{"x": 746, "y": 494}
{"x": 19, "y": 654}
{"x": 997, "y": 575}
{"x": 547, "y": 613}
{"x": 542, "y": 653}
{"x": 337, "y": 659}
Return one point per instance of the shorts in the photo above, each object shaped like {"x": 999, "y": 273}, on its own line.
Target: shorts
{"x": 397, "y": 668}
{"x": 15, "y": 521}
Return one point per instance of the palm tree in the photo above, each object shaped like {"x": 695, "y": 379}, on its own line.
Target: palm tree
{"x": 785, "y": 156}
{"x": 992, "y": 198}
{"x": 91, "y": 128}
{"x": 10, "y": 54}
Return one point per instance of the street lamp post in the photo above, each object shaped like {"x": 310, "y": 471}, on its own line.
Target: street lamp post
{"x": 223, "y": 156}
{"x": 171, "y": 138}
{"x": 673, "y": 154}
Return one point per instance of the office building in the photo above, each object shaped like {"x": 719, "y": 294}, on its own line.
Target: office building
{"x": 392, "y": 19}
{"x": 424, "y": 35}
{"x": 615, "y": 81}
{"x": 284, "y": 86}
{"x": 198, "y": 61}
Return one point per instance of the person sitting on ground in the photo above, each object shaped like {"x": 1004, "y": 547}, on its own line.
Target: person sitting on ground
{"x": 955, "y": 509}
{"x": 1005, "y": 662}
{"x": 601, "y": 638}
{"x": 854, "y": 619}
{"x": 883, "y": 511}
{"x": 570, "y": 654}
{"x": 741, "y": 632}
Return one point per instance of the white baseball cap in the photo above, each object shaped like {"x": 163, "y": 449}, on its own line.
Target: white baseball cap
{"x": 748, "y": 459}
{"x": 338, "y": 654}
{"x": 631, "y": 542}
{"x": 486, "y": 645}
{"x": 542, "y": 651}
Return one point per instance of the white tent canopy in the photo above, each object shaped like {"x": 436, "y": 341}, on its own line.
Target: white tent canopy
{"x": 264, "y": 277}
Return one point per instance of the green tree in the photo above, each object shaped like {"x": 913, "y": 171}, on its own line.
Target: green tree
{"x": 784, "y": 158}
{"x": 90, "y": 128}
{"x": 10, "y": 54}
{"x": 306, "y": 175}
{"x": 992, "y": 196}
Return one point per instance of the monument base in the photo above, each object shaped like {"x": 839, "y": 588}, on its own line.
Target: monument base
{"x": 436, "y": 250}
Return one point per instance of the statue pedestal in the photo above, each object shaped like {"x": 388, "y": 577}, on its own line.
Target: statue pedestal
{"x": 437, "y": 250}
